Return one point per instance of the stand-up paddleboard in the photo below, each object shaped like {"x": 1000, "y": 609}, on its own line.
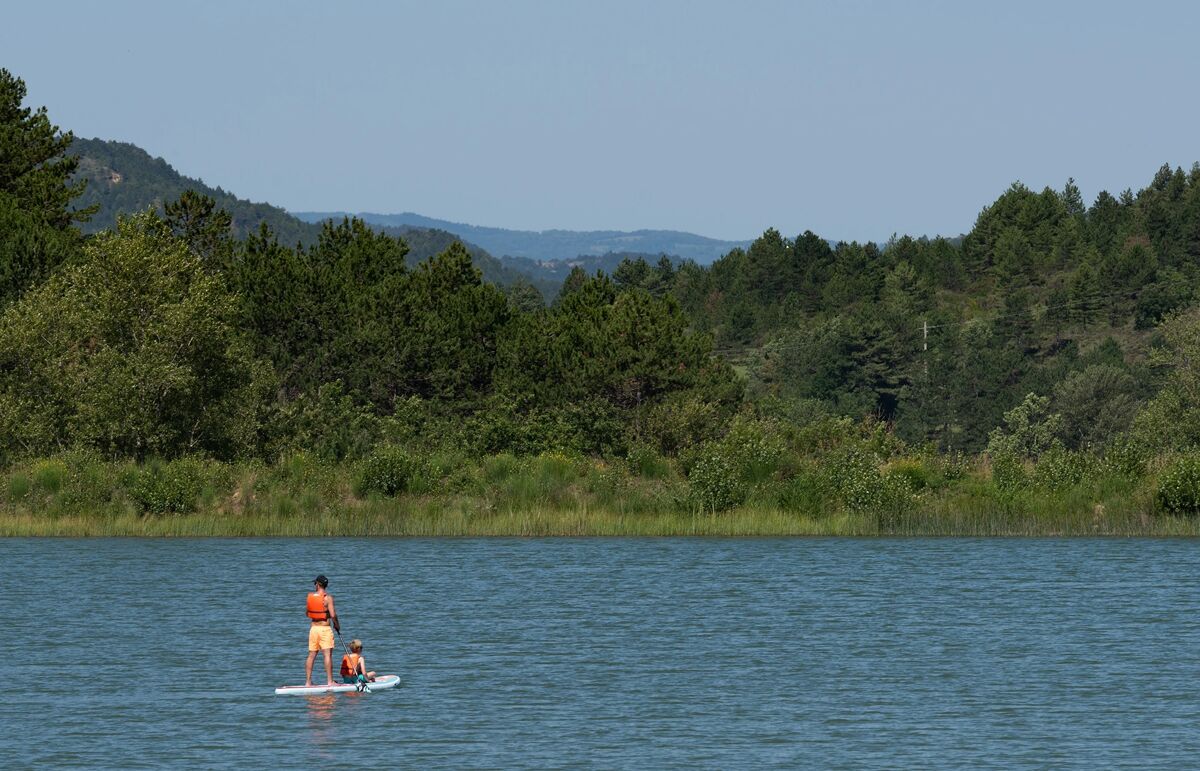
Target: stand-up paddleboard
{"x": 378, "y": 684}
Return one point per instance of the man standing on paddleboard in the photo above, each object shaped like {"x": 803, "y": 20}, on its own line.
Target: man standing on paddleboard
{"x": 320, "y": 637}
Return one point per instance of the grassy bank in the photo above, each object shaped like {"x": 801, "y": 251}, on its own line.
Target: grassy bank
{"x": 445, "y": 522}
{"x": 552, "y": 495}
{"x": 583, "y": 523}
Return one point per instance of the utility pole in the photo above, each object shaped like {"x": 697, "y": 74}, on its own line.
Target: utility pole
{"x": 925, "y": 348}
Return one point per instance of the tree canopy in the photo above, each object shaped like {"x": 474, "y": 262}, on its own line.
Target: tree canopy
{"x": 181, "y": 329}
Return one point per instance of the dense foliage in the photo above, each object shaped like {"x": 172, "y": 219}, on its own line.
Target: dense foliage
{"x": 941, "y": 337}
{"x": 1057, "y": 340}
{"x": 134, "y": 350}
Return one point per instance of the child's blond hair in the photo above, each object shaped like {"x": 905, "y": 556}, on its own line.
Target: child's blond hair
{"x": 356, "y": 645}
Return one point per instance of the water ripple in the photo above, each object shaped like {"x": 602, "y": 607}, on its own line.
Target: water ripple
{"x": 655, "y": 653}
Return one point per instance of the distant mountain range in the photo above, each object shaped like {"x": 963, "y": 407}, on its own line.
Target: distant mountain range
{"x": 123, "y": 178}
{"x": 556, "y": 245}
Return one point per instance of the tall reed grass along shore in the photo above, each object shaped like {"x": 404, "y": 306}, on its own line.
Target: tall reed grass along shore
{"x": 397, "y": 493}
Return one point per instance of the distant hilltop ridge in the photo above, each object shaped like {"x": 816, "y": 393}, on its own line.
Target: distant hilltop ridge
{"x": 123, "y": 178}
{"x": 555, "y": 245}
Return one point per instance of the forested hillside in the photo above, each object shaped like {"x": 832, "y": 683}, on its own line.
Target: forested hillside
{"x": 941, "y": 337}
{"x": 123, "y": 179}
{"x": 1047, "y": 362}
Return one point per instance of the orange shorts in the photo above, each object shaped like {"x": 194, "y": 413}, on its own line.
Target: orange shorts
{"x": 320, "y": 637}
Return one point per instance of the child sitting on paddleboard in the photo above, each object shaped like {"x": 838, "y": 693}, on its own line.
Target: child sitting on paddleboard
{"x": 354, "y": 666}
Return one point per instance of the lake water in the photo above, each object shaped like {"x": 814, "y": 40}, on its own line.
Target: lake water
{"x": 621, "y": 653}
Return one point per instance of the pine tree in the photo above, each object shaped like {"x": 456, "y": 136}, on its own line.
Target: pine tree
{"x": 206, "y": 229}
{"x": 631, "y": 274}
{"x": 1072, "y": 199}
{"x": 574, "y": 281}
{"x": 1084, "y": 294}
{"x": 35, "y": 226}
{"x": 34, "y": 165}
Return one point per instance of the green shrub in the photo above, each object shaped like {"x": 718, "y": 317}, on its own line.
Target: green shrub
{"x": 608, "y": 485}
{"x": 823, "y": 435}
{"x": 1029, "y": 429}
{"x": 493, "y": 431}
{"x": 389, "y": 470}
{"x": 554, "y": 469}
{"x": 1126, "y": 457}
{"x": 1008, "y": 471}
{"x": 296, "y": 470}
{"x": 297, "y": 473}
{"x": 714, "y": 480}
{"x": 90, "y": 481}
{"x": 893, "y": 500}
{"x": 950, "y": 466}
{"x": 754, "y": 449}
{"x": 497, "y": 468}
{"x": 310, "y": 503}
{"x": 804, "y": 493}
{"x": 411, "y": 419}
{"x": 854, "y": 475}
{"x": 19, "y": 486}
{"x": 1179, "y": 487}
{"x": 49, "y": 475}
{"x": 680, "y": 421}
{"x": 282, "y": 506}
{"x": 1060, "y": 469}
{"x": 590, "y": 427}
{"x": 879, "y": 439}
{"x": 914, "y": 472}
{"x": 722, "y": 472}
{"x": 327, "y": 424}
{"x": 521, "y": 490}
{"x": 646, "y": 462}
{"x": 796, "y": 412}
{"x": 459, "y": 473}
{"x": 172, "y": 487}
{"x": 928, "y": 469}
{"x": 546, "y": 479}
{"x": 427, "y": 476}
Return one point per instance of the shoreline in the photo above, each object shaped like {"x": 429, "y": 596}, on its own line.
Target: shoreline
{"x": 81, "y": 495}
{"x": 568, "y": 524}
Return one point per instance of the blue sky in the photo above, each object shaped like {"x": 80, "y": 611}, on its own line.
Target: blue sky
{"x": 852, "y": 119}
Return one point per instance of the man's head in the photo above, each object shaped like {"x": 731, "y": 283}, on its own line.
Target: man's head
{"x": 321, "y": 582}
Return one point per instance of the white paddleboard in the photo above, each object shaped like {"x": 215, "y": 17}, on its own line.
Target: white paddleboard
{"x": 378, "y": 684}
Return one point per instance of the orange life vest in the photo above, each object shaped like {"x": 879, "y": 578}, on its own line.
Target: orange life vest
{"x": 316, "y": 607}
{"x": 350, "y": 664}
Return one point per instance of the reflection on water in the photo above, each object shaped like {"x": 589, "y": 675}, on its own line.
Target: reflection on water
{"x": 655, "y": 653}
{"x": 322, "y": 733}
{"x": 320, "y": 708}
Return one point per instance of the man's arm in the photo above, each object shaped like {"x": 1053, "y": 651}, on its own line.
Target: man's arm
{"x": 333, "y": 619}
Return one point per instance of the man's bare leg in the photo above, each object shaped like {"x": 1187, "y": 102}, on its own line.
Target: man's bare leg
{"x": 312, "y": 656}
{"x": 328, "y": 664}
